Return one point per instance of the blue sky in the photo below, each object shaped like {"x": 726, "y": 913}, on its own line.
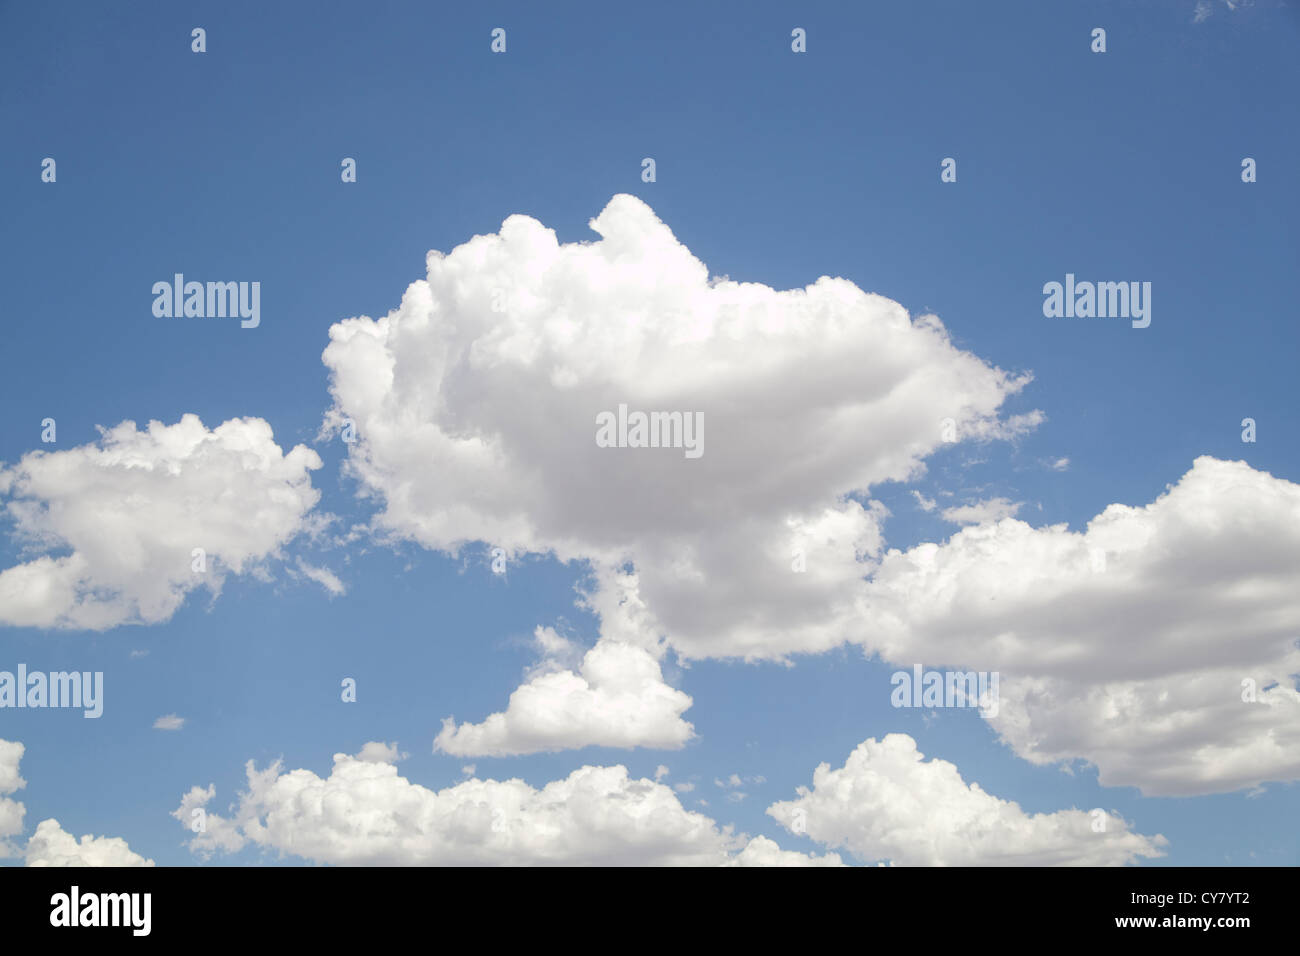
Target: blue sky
{"x": 773, "y": 168}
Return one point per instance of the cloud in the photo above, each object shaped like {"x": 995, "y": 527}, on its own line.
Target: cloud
{"x": 478, "y": 424}
{"x": 1186, "y": 735}
{"x": 617, "y": 698}
{"x": 169, "y": 722}
{"x": 736, "y": 780}
{"x": 761, "y": 851}
{"x": 476, "y": 400}
{"x": 992, "y": 509}
{"x": 215, "y": 833}
{"x": 11, "y": 754}
{"x": 11, "y": 811}
{"x": 888, "y": 803}
{"x": 51, "y": 846}
{"x": 378, "y": 752}
{"x": 733, "y": 784}
{"x": 555, "y": 648}
{"x": 130, "y": 510}
{"x": 1126, "y": 644}
{"x": 1205, "y": 8}
{"x": 322, "y": 576}
{"x": 365, "y": 814}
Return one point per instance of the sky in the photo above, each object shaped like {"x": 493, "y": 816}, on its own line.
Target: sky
{"x": 640, "y": 674}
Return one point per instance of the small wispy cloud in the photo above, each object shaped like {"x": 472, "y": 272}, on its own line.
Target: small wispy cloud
{"x": 169, "y": 722}
{"x": 322, "y": 576}
{"x": 1205, "y": 8}
{"x": 733, "y": 783}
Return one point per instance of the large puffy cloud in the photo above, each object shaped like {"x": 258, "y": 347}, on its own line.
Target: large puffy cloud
{"x": 1125, "y": 644}
{"x": 1188, "y": 734}
{"x": 364, "y": 813}
{"x": 887, "y": 803}
{"x": 11, "y": 811}
{"x": 476, "y": 404}
{"x": 50, "y": 845}
{"x": 131, "y": 509}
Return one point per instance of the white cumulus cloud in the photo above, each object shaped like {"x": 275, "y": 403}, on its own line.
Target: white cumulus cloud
{"x": 50, "y": 845}
{"x": 11, "y": 811}
{"x": 617, "y": 698}
{"x": 887, "y": 803}
{"x": 379, "y": 752}
{"x": 365, "y": 813}
{"x": 131, "y": 509}
{"x": 1126, "y": 644}
{"x": 476, "y": 402}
